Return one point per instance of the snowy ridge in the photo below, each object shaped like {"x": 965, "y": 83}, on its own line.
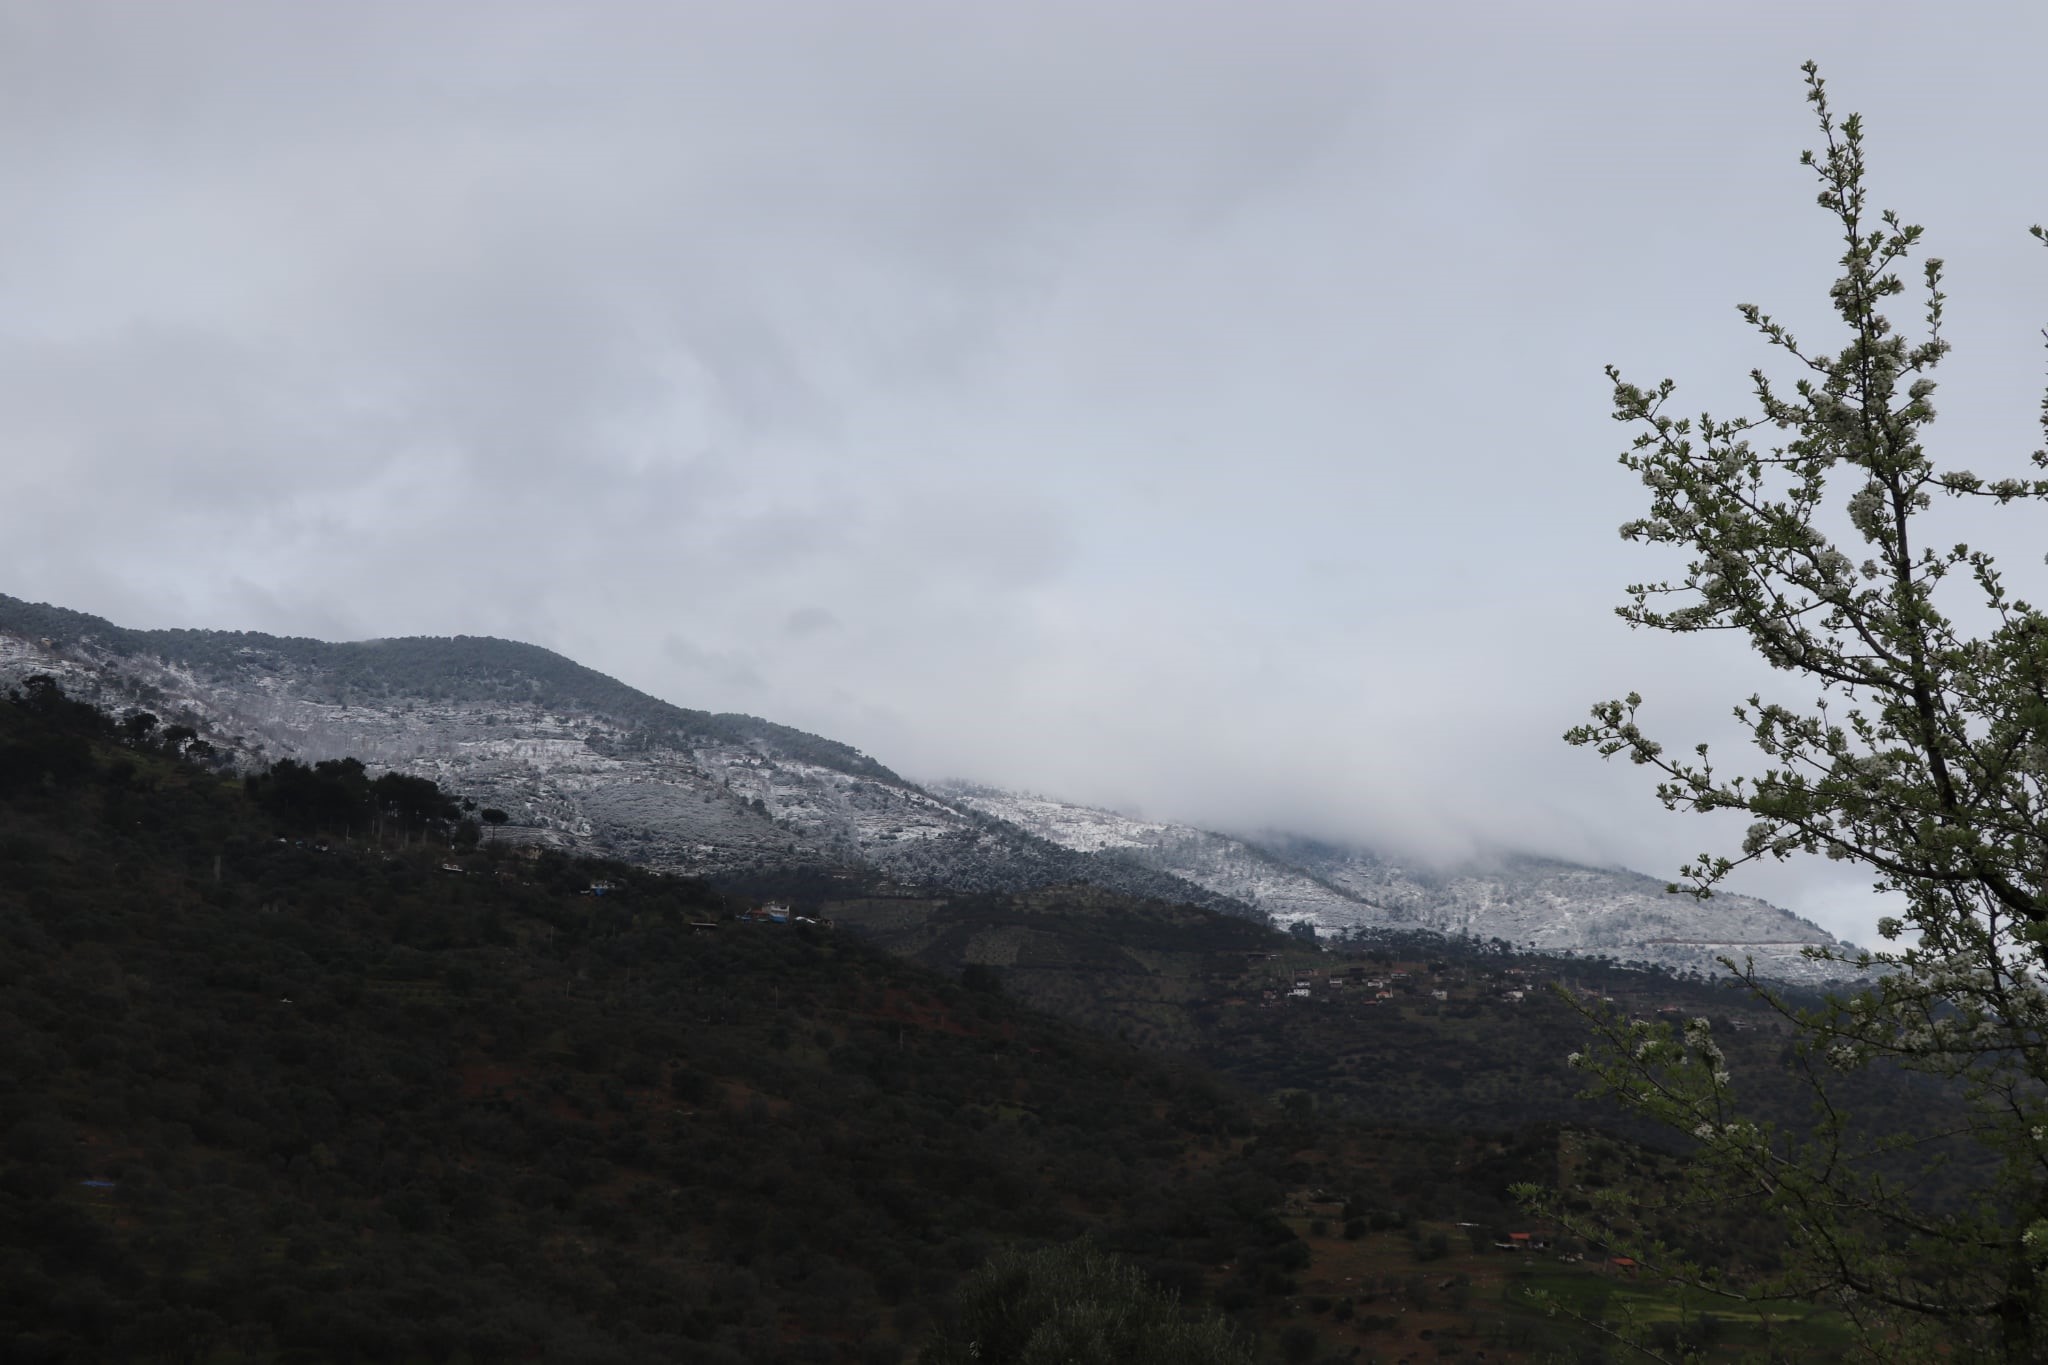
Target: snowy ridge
{"x": 735, "y": 795}
{"x": 579, "y": 778}
{"x": 1532, "y": 903}
{"x": 1216, "y": 862}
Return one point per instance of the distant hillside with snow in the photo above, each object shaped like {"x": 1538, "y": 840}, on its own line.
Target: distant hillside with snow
{"x": 1535, "y": 903}
{"x": 578, "y": 760}
{"x": 583, "y": 761}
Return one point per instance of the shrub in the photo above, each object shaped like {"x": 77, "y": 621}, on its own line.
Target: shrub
{"x": 1075, "y": 1305}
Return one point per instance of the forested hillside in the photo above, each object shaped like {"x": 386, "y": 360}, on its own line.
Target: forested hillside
{"x": 275, "y": 1095}
{"x": 1409, "y": 1028}
{"x": 274, "y": 1092}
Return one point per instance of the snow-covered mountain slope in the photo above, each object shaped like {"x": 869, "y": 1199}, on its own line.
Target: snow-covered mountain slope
{"x": 584, "y": 761}
{"x": 576, "y": 759}
{"x": 1285, "y": 891}
{"x": 1530, "y": 902}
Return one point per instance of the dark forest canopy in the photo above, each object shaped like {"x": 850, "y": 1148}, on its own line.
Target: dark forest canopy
{"x": 272, "y": 1096}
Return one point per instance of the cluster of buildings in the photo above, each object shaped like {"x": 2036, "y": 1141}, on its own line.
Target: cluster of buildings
{"x": 1378, "y": 985}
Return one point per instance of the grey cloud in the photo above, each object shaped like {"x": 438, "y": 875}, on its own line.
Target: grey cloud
{"x": 714, "y": 666}
{"x": 807, "y": 621}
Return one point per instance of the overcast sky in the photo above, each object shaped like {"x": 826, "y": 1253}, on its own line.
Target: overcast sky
{"x": 1195, "y": 408}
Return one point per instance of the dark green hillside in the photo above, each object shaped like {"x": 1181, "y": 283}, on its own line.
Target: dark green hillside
{"x": 1184, "y": 980}
{"x": 462, "y": 668}
{"x": 1134, "y": 968}
{"x": 1373, "y": 1040}
{"x": 268, "y": 1095}
{"x": 271, "y": 1095}
{"x": 1416, "y": 1030}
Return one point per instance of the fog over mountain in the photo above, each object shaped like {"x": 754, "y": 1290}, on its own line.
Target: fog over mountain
{"x": 1192, "y": 409}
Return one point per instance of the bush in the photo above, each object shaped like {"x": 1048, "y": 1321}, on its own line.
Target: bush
{"x": 1074, "y": 1305}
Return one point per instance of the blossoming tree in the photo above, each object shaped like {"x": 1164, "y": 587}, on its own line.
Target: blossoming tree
{"x": 1916, "y": 747}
